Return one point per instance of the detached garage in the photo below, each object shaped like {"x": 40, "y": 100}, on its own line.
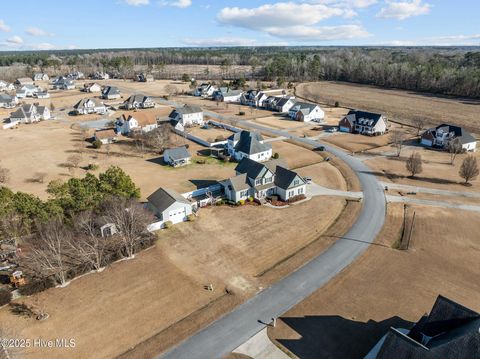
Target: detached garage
{"x": 169, "y": 205}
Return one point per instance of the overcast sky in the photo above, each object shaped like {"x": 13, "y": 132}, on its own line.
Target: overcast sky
{"x": 55, "y": 24}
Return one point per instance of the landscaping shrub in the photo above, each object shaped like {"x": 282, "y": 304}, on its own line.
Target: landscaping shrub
{"x": 241, "y": 202}
{"x": 241, "y": 113}
{"x": 296, "y": 198}
{"x": 337, "y": 104}
{"x": 36, "y": 286}
{"x": 250, "y": 199}
{"x": 5, "y": 297}
{"x": 92, "y": 167}
{"x": 276, "y": 155}
{"x": 168, "y": 224}
{"x": 191, "y": 217}
{"x": 97, "y": 144}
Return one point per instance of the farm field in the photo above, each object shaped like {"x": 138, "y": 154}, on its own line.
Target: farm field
{"x": 174, "y": 271}
{"x": 398, "y": 105}
{"x": 385, "y": 287}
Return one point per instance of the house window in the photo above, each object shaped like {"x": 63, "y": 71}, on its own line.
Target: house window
{"x": 243, "y": 193}
{"x": 300, "y": 190}
{"x": 296, "y": 182}
{"x": 268, "y": 179}
{"x": 258, "y": 182}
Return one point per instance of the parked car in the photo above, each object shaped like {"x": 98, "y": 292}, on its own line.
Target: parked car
{"x": 308, "y": 179}
{"x": 321, "y": 148}
{"x": 332, "y": 129}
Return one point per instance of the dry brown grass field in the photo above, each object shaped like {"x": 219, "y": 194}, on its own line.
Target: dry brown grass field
{"x": 399, "y": 105}
{"x": 388, "y": 287}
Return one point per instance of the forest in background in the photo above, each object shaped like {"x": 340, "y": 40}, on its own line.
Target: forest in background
{"x": 446, "y": 70}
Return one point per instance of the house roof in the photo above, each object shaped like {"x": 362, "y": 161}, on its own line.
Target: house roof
{"x": 24, "y": 111}
{"x": 83, "y": 101}
{"x": 4, "y": 98}
{"x": 305, "y": 107}
{"x": 252, "y": 168}
{"x": 24, "y": 79}
{"x": 354, "y": 115}
{"x": 249, "y": 142}
{"x": 284, "y": 177}
{"x": 449, "y": 331}
{"x": 137, "y": 98}
{"x": 188, "y": 109}
{"x": 459, "y": 132}
{"x": 239, "y": 182}
{"x": 163, "y": 198}
{"x": 111, "y": 90}
{"x": 104, "y": 134}
{"x": 227, "y": 91}
{"x": 177, "y": 153}
{"x": 143, "y": 118}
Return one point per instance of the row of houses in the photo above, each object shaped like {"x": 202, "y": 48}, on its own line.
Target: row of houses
{"x": 29, "y": 113}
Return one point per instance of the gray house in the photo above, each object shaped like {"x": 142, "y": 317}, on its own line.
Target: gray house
{"x": 110, "y": 93}
{"x": 138, "y": 101}
{"x": 7, "y": 101}
{"x": 246, "y": 144}
{"x": 169, "y": 205}
{"x": 177, "y": 157}
{"x": 260, "y": 180}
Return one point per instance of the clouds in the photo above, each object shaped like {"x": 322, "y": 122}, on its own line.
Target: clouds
{"x": 223, "y": 41}
{"x": 137, "y": 2}
{"x": 35, "y": 31}
{"x": 178, "y": 3}
{"x": 15, "y": 40}
{"x": 290, "y": 20}
{"x": 453, "y": 40}
{"x": 402, "y": 10}
{"x": 4, "y": 27}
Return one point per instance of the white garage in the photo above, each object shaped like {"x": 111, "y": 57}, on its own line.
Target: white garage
{"x": 169, "y": 205}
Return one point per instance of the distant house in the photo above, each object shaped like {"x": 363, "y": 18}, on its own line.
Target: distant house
{"x": 145, "y": 77}
{"x": 226, "y": 94}
{"x": 250, "y": 145}
{"x": 306, "y": 112}
{"x": 30, "y": 113}
{"x": 63, "y": 83}
{"x": 281, "y": 104}
{"x": 365, "y": 123}
{"x": 176, "y": 157}
{"x": 449, "y": 331}
{"x": 106, "y": 136}
{"x": 260, "y": 180}
{"x": 169, "y": 206}
{"x": 41, "y": 77}
{"x": 27, "y": 91}
{"x": 442, "y": 135}
{"x": 254, "y": 98}
{"x": 98, "y": 75}
{"x": 92, "y": 87}
{"x": 205, "y": 90}
{"x": 76, "y": 75}
{"x": 7, "y": 101}
{"x": 89, "y": 105}
{"x": 24, "y": 81}
{"x": 5, "y": 86}
{"x": 138, "y": 101}
{"x": 136, "y": 122}
{"x": 41, "y": 94}
{"x": 110, "y": 93}
{"x": 187, "y": 115}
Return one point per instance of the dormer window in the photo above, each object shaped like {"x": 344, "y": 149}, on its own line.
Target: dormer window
{"x": 258, "y": 182}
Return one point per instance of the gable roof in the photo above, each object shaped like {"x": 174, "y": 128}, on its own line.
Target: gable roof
{"x": 111, "y": 90}
{"x": 188, "y": 109}
{"x": 449, "y": 331}
{"x": 106, "y": 133}
{"x": 163, "y": 198}
{"x": 305, "y": 107}
{"x": 459, "y": 132}
{"x": 177, "y": 153}
{"x": 4, "y": 98}
{"x": 143, "y": 118}
{"x": 284, "y": 177}
{"x": 239, "y": 182}
{"x": 251, "y": 168}
{"x": 249, "y": 142}
{"x": 354, "y": 116}
{"x": 24, "y": 111}
{"x": 137, "y": 98}
{"x": 83, "y": 101}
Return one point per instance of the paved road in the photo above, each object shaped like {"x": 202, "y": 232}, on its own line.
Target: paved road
{"x": 235, "y": 328}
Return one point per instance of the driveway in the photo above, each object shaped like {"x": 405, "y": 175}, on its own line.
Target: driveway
{"x": 235, "y": 328}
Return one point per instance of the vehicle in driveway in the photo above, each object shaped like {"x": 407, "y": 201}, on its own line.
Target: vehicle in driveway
{"x": 332, "y": 129}
{"x": 308, "y": 180}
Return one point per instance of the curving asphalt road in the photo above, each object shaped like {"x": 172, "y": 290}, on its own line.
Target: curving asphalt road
{"x": 236, "y": 327}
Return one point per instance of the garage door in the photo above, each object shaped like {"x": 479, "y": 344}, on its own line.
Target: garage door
{"x": 177, "y": 215}
{"x": 426, "y": 142}
{"x": 344, "y": 129}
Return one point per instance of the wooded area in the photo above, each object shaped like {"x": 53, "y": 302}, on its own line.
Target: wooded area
{"x": 446, "y": 70}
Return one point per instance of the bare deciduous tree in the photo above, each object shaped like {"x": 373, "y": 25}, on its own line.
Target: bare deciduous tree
{"x": 159, "y": 139}
{"x": 397, "y": 137}
{"x": 469, "y": 169}
{"x": 171, "y": 90}
{"x": 4, "y": 175}
{"x": 419, "y": 124}
{"x": 414, "y": 164}
{"x": 39, "y": 177}
{"x": 50, "y": 252}
{"x": 131, "y": 220}
{"x": 74, "y": 160}
{"x": 454, "y": 147}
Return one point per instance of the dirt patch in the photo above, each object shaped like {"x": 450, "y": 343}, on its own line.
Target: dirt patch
{"x": 388, "y": 287}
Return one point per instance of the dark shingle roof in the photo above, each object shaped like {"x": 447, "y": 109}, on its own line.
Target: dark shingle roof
{"x": 163, "y": 198}
{"x": 178, "y": 153}
{"x": 463, "y": 135}
{"x": 284, "y": 177}
{"x": 239, "y": 182}
{"x": 252, "y": 168}
{"x": 354, "y": 116}
{"x": 187, "y": 109}
{"x": 249, "y": 142}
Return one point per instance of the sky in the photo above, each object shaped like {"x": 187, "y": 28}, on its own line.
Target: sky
{"x": 89, "y": 24}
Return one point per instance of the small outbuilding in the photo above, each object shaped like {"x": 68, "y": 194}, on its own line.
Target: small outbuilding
{"x": 169, "y": 205}
{"x": 176, "y": 157}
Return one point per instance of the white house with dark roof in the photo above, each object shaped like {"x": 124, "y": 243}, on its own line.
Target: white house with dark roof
{"x": 260, "y": 180}
{"x": 41, "y": 76}
{"x": 63, "y": 83}
{"x": 22, "y": 81}
{"x": 306, "y": 112}
{"x": 363, "y": 122}
{"x": 110, "y": 93}
{"x": 442, "y": 135}
{"x": 89, "y": 105}
{"x": 30, "y": 113}
{"x": 176, "y": 157}
{"x": 8, "y": 101}
{"x": 169, "y": 206}
{"x": 138, "y": 101}
{"x": 27, "y": 91}
{"x": 5, "y": 86}
{"x": 92, "y": 87}
{"x": 188, "y": 115}
{"x": 41, "y": 94}
{"x": 246, "y": 144}
{"x": 205, "y": 90}
{"x": 227, "y": 94}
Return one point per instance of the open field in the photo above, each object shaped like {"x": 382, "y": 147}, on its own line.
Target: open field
{"x": 210, "y": 134}
{"x": 282, "y": 122}
{"x": 165, "y": 283}
{"x": 324, "y": 174}
{"x": 295, "y": 156}
{"x": 388, "y": 287}
{"x": 403, "y": 106}
{"x": 437, "y": 170}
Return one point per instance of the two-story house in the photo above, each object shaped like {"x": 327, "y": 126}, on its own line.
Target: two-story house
{"x": 136, "y": 122}
{"x": 188, "y": 115}
{"x": 246, "y": 144}
{"x": 365, "y": 123}
{"x": 205, "y": 90}
{"x": 89, "y": 105}
{"x": 442, "y": 135}
{"x": 138, "y": 101}
{"x": 306, "y": 112}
